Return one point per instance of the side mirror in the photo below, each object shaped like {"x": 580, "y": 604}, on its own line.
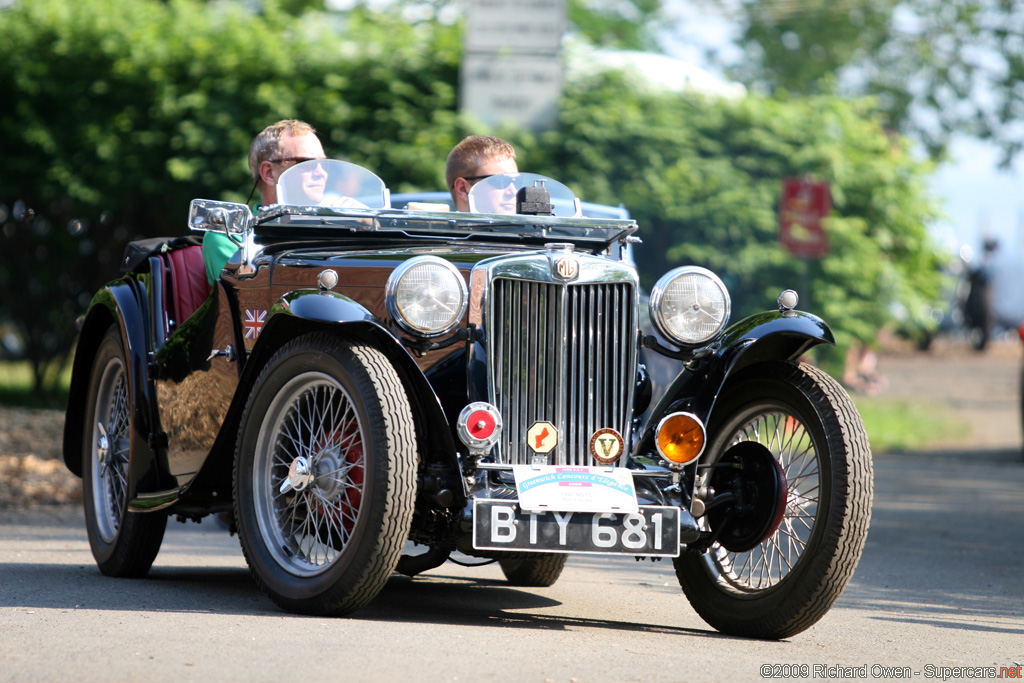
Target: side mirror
{"x": 207, "y": 215}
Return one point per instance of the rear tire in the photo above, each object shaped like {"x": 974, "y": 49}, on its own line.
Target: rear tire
{"x": 325, "y": 475}
{"x": 123, "y": 543}
{"x": 539, "y": 572}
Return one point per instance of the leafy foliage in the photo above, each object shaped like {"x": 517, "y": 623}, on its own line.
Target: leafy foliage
{"x": 122, "y": 111}
{"x": 937, "y": 66}
{"x": 626, "y": 25}
{"x": 703, "y": 179}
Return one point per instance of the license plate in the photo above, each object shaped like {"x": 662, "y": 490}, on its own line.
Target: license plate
{"x": 501, "y": 525}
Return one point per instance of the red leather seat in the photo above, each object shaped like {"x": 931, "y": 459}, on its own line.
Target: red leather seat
{"x": 188, "y": 285}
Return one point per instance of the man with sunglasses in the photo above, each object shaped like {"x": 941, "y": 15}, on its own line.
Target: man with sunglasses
{"x": 277, "y": 148}
{"x": 475, "y": 158}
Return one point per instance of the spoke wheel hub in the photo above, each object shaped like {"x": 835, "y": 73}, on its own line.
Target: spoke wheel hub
{"x": 759, "y": 490}
{"x": 300, "y": 475}
{"x": 102, "y": 448}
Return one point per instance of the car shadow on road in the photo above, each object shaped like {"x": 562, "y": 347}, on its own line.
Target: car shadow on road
{"x": 225, "y": 590}
{"x": 231, "y": 591}
{"x": 440, "y": 599}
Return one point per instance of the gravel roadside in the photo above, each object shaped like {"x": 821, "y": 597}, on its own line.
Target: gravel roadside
{"x": 32, "y": 470}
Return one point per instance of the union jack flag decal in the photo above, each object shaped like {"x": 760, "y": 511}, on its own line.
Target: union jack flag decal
{"x": 254, "y": 319}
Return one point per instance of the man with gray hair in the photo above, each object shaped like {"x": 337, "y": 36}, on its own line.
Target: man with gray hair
{"x": 277, "y": 148}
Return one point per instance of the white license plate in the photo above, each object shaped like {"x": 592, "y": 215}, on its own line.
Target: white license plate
{"x": 501, "y": 525}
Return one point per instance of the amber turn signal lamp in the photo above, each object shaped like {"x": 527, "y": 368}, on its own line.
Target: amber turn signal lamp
{"x": 681, "y": 438}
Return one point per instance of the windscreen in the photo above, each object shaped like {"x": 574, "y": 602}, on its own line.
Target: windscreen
{"x": 334, "y": 183}
{"x": 497, "y": 194}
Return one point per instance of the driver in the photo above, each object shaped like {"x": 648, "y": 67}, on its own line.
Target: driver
{"x": 475, "y": 158}
{"x": 277, "y": 148}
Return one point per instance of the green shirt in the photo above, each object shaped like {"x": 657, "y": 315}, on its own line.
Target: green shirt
{"x": 218, "y": 248}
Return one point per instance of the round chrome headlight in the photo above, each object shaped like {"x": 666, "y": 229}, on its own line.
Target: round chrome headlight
{"x": 690, "y": 305}
{"x": 427, "y": 296}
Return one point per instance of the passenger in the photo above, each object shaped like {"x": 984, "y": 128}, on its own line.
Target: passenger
{"x": 276, "y": 149}
{"x": 475, "y": 158}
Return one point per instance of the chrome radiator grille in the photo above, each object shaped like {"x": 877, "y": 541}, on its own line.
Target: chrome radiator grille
{"x": 564, "y": 354}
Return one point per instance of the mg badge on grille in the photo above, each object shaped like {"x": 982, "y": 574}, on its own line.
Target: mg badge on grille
{"x": 606, "y": 445}
{"x": 542, "y": 437}
{"x": 567, "y": 268}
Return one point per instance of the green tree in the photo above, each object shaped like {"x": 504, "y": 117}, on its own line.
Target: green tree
{"x": 122, "y": 111}
{"x": 624, "y": 24}
{"x": 630, "y": 25}
{"x": 937, "y": 67}
{"x": 703, "y": 177}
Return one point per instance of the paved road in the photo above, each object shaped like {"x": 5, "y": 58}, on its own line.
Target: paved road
{"x": 940, "y": 584}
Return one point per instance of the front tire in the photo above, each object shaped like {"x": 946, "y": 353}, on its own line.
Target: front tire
{"x": 325, "y": 475}
{"x": 534, "y": 572}
{"x": 123, "y": 543}
{"x": 789, "y": 580}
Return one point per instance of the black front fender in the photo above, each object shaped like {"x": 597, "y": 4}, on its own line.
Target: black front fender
{"x": 328, "y": 307}
{"x": 773, "y": 335}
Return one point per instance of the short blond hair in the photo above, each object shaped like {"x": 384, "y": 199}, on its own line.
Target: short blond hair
{"x": 473, "y": 152}
{"x": 266, "y": 145}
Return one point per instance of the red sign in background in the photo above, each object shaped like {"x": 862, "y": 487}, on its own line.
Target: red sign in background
{"x": 803, "y": 205}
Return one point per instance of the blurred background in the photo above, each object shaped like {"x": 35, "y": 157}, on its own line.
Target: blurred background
{"x": 692, "y": 114}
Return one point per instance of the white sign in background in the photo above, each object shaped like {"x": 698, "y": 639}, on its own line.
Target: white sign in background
{"x": 519, "y": 89}
{"x": 518, "y": 25}
{"x": 511, "y": 68}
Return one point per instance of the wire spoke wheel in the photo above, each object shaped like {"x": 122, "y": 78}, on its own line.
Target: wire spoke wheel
{"x": 787, "y": 576}
{"x": 308, "y": 477}
{"x": 325, "y": 475}
{"x": 764, "y": 566}
{"x": 124, "y": 543}
{"x": 109, "y": 452}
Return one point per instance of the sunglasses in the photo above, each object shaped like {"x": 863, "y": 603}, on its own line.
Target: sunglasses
{"x": 294, "y": 160}
{"x": 500, "y": 180}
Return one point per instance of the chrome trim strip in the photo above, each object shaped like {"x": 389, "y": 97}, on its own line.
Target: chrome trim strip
{"x": 502, "y": 467}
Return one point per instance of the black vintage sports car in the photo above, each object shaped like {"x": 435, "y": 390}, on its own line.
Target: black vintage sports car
{"x": 362, "y": 376}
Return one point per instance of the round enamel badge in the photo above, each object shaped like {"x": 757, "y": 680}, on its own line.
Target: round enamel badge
{"x": 606, "y": 445}
{"x": 567, "y": 268}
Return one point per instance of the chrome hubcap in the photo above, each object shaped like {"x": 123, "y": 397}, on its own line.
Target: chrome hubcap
{"x": 299, "y": 476}
{"x": 102, "y": 448}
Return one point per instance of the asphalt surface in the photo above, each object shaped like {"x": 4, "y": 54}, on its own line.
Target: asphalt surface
{"x": 938, "y": 591}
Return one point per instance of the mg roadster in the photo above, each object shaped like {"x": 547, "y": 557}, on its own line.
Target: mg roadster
{"x": 362, "y": 376}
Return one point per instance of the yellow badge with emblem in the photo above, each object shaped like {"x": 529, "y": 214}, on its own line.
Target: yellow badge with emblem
{"x": 606, "y": 445}
{"x": 542, "y": 437}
